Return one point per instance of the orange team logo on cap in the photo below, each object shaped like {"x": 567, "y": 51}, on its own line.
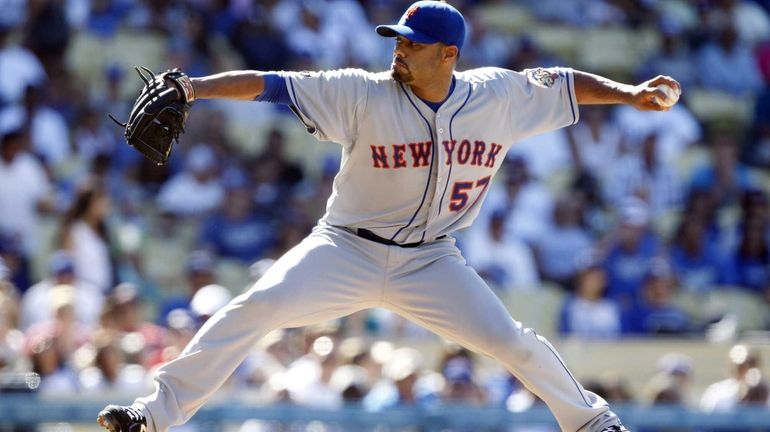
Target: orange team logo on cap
{"x": 413, "y": 10}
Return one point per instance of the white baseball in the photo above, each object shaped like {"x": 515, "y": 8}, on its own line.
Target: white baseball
{"x": 672, "y": 95}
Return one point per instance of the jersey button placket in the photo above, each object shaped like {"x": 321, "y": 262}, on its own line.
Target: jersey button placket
{"x": 440, "y": 137}
{"x": 434, "y": 210}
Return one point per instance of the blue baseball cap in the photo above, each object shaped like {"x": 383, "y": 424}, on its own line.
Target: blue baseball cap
{"x": 200, "y": 261}
{"x": 429, "y": 22}
{"x": 61, "y": 263}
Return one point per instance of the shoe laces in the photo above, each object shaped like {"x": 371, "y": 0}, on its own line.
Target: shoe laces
{"x": 614, "y": 428}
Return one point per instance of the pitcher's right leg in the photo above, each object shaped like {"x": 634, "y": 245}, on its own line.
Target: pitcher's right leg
{"x": 326, "y": 276}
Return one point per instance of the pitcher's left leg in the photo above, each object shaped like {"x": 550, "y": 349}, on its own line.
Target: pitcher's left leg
{"x": 449, "y": 298}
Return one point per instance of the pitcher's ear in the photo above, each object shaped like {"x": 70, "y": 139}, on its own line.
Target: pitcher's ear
{"x": 451, "y": 52}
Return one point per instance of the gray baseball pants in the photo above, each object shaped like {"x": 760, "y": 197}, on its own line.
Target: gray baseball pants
{"x": 333, "y": 273}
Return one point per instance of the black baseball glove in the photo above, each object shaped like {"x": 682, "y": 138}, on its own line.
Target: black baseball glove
{"x": 159, "y": 114}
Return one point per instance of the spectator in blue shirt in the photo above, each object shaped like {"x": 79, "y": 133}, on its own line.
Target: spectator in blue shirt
{"x": 587, "y": 314}
{"x": 199, "y": 272}
{"x": 695, "y": 258}
{"x": 656, "y": 313}
{"x": 753, "y": 257}
{"x": 630, "y": 250}
{"x": 105, "y": 18}
{"x": 724, "y": 176}
{"x": 751, "y": 263}
{"x": 727, "y": 64}
{"x": 274, "y": 175}
{"x": 674, "y": 57}
{"x": 566, "y": 239}
{"x": 237, "y": 231}
{"x": 16, "y": 265}
{"x": 399, "y": 386}
{"x": 460, "y": 374}
{"x": 756, "y": 152}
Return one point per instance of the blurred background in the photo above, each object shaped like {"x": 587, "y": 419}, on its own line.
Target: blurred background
{"x": 639, "y": 243}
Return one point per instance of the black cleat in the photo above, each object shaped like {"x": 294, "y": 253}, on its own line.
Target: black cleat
{"x": 117, "y": 418}
{"x": 615, "y": 428}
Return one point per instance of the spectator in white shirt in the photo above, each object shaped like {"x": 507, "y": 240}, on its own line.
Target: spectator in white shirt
{"x": 195, "y": 191}
{"x": 749, "y": 18}
{"x": 587, "y": 313}
{"x": 596, "y": 143}
{"x": 18, "y": 66}
{"x": 676, "y": 129}
{"x": 92, "y": 137}
{"x": 527, "y": 203}
{"x": 83, "y": 233}
{"x": 109, "y": 371}
{"x": 673, "y": 377}
{"x": 485, "y": 44}
{"x": 545, "y": 154}
{"x": 724, "y": 395}
{"x": 728, "y": 64}
{"x": 48, "y": 131}
{"x": 674, "y": 58}
{"x": 56, "y": 376}
{"x": 25, "y": 191}
{"x": 12, "y": 356}
{"x": 331, "y": 33}
{"x": 565, "y": 239}
{"x": 504, "y": 262}
{"x": 646, "y": 176}
{"x": 36, "y": 303}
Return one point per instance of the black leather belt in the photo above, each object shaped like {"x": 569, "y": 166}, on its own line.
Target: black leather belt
{"x": 365, "y": 233}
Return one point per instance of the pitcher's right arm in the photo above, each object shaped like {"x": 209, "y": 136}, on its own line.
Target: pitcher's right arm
{"x": 238, "y": 85}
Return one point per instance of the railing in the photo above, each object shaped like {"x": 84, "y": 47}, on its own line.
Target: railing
{"x": 30, "y": 410}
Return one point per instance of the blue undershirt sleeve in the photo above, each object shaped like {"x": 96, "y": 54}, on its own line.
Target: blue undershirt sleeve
{"x": 275, "y": 90}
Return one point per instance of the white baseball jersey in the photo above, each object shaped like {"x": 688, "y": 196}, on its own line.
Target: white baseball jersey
{"x": 408, "y": 174}
{"x": 411, "y": 174}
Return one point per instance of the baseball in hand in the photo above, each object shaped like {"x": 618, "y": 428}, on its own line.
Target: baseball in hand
{"x": 672, "y": 95}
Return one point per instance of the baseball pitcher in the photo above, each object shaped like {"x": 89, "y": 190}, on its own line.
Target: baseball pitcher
{"x": 420, "y": 146}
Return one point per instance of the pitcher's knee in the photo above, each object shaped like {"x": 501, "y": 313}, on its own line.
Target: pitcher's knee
{"x": 510, "y": 343}
{"x": 260, "y": 303}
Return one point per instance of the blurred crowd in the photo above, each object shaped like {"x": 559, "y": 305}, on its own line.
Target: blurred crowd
{"x": 635, "y": 220}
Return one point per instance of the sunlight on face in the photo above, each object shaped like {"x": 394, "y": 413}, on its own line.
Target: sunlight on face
{"x": 413, "y": 61}
{"x": 399, "y": 69}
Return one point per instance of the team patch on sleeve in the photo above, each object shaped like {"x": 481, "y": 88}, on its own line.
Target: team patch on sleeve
{"x": 543, "y": 77}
